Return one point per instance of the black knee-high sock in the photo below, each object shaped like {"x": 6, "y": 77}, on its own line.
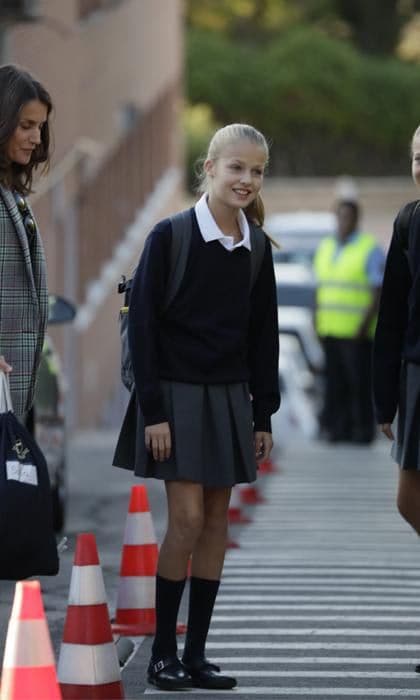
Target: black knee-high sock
{"x": 168, "y": 599}
{"x": 203, "y": 594}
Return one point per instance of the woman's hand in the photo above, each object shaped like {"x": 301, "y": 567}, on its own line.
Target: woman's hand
{"x": 263, "y": 445}
{"x": 386, "y": 429}
{"x": 158, "y": 441}
{"x": 4, "y": 366}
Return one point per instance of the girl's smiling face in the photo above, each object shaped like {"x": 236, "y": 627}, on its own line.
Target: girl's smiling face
{"x": 415, "y": 160}
{"x": 236, "y": 176}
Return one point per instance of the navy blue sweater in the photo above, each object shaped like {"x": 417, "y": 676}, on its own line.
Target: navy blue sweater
{"x": 214, "y": 332}
{"x": 397, "y": 335}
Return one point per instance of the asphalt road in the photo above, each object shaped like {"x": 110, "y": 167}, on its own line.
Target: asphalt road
{"x": 322, "y": 599}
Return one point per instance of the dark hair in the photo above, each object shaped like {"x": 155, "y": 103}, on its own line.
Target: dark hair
{"x": 17, "y": 87}
{"x": 350, "y": 204}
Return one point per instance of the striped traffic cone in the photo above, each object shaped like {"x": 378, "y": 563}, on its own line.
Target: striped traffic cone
{"x": 250, "y": 495}
{"x": 231, "y": 544}
{"x": 235, "y": 515}
{"x": 28, "y": 664}
{"x": 88, "y": 666}
{"x": 267, "y": 467}
{"x": 135, "y": 610}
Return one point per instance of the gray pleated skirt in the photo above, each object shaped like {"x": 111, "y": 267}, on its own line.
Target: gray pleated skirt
{"x": 406, "y": 447}
{"x": 212, "y": 436}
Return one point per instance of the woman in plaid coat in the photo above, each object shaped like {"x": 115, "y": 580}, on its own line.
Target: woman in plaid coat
{"x": 25, "y": 108}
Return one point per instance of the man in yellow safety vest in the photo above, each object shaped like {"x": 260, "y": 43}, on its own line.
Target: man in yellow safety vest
{"x": 349, "y": 270}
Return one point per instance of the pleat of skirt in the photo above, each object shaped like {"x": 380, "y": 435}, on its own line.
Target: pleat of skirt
{"x": 212, "y": 436}
{"x": 406, "y": 447}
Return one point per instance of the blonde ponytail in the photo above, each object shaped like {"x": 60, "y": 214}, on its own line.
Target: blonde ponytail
{"x": 415, "y": 137}
{"x": 255, "y": 212}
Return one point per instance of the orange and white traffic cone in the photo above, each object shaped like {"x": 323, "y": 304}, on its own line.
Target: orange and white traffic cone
{"x": 135, "y": 610}
{"x": 235, "y": 515}
{"x": 28, "y": 664}
{"x": 88, "y": 666}
{"x": 250, "y": 495}
{"x": 267, "y": 467}
{"x": 231, "y": 544}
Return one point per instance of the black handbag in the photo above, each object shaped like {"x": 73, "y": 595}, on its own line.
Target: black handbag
{"x": 27, "y": 540}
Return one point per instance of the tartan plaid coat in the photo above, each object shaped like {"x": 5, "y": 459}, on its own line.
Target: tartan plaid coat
{"x": 23, "y": 302}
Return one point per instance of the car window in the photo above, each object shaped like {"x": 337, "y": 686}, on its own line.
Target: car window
{"x": 299, "y": 234}
{"x": 300, "y": 295}
{"x": 304, "y": 257}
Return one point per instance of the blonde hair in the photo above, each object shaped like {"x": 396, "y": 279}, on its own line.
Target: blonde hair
{"x": 416, "y": 137}
{"x": 225, "y": 137}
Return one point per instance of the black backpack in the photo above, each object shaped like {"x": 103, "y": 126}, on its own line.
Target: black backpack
{"x": 181, "y": 224}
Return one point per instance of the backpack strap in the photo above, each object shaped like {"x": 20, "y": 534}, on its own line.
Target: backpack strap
{"x": 404, "y": 218}
{"x": 180, "y": 244}
{"x": 257, "y": 236}
{"x": 181, "y": 224}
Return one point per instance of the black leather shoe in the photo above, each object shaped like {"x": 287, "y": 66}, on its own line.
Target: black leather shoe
{"x": 169, "y": 674}
{"x": 207, "y": 675}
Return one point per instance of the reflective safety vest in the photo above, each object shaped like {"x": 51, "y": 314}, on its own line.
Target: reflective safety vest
{"x": 344, "y": 292}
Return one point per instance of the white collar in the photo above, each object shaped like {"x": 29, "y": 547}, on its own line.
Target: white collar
{"x": 211, "y": 232}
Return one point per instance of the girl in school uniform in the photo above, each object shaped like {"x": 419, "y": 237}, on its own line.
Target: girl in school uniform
{"x": 206, "y": 379}
{"x": 397, "y": 351}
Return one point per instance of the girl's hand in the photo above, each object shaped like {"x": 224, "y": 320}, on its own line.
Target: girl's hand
{"x": 4, "y": 366}
{"x": 263, "y": 445}
{"x": 158, "y": 441}
{"x": 387, "y": 430}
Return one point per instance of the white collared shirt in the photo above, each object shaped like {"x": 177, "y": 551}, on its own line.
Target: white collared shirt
{"x": 211, "y": 232}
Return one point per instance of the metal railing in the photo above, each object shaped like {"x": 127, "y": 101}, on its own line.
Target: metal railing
{"x": 109, "y": 200}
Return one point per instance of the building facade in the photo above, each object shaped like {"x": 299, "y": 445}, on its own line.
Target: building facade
{"x": 114, "y": 70}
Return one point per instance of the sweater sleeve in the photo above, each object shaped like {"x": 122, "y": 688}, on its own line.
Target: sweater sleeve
{"x": 146, "y": 304}
{"x": 389, "y": 336}
{"x": 264, "y": 345}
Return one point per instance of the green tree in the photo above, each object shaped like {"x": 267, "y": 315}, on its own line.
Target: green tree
{"x": 324, "y": 106}
{"x": 375, "y": 26}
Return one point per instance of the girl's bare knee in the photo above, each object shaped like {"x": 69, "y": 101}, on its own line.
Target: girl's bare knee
{"x": 408, "y": 509}
{"x": 186, "y": 526}
{"x": 215, "y": 526}
{"x": 402, "y": 506}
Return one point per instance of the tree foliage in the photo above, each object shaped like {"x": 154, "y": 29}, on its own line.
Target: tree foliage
{"x": 375, "y": 26}
{"x": 325, "y": 107}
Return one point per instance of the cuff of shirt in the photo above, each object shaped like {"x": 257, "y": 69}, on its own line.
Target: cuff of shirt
{"x": 153, "y": 410}
{"x": 262, "y": 423}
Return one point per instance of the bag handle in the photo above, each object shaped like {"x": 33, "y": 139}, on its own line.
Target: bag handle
{"x": 5, "y": 395}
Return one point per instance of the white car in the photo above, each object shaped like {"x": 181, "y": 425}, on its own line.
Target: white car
{"x": 296, "y": 290}
{"x": 295, "y": 284}
{"x": 301, "y": 354}
{"x": 299, "y": 323}
{"x": 299, "y": 233}
{"x": 297, "y": 387}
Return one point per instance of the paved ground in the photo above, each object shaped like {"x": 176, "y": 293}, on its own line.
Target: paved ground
{"x": 323, "y": 597}
{"x": 322, "y": 600}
